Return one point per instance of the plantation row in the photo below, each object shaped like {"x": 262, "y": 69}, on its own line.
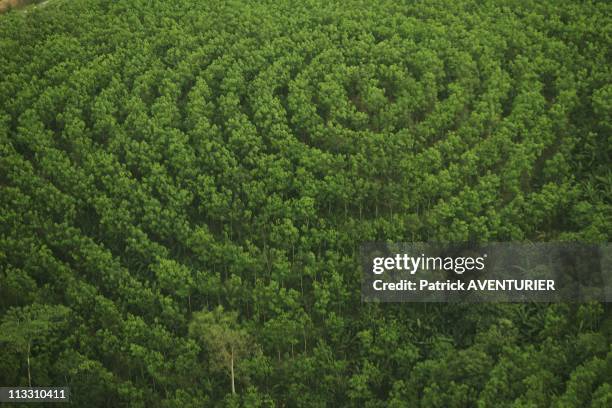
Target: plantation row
{"x": 163, "y": 158}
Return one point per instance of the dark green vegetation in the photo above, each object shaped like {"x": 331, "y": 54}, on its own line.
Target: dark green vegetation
{"x": 160, "y": 159}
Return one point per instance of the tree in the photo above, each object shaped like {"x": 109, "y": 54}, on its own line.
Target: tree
{"x": 21, "y": 327}
{"x": 225, "y": 341}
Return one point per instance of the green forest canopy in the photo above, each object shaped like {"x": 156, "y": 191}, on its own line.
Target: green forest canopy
{"x": 171, "y": 169}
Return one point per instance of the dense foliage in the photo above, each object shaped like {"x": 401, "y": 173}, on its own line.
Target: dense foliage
{"x": 184, "y": 186}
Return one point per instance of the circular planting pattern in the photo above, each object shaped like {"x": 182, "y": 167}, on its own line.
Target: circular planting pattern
{"x": 160, "y": 158}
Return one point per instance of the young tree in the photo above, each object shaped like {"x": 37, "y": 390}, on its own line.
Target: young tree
{"x": 226, "y": 342}
{"x": 21, "y": 327}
